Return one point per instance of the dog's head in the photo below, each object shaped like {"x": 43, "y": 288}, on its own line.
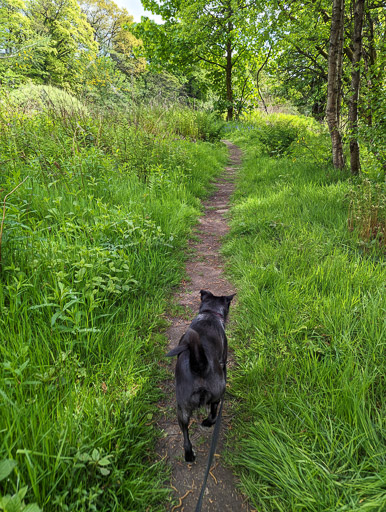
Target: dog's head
{"x": 219, "y": 305}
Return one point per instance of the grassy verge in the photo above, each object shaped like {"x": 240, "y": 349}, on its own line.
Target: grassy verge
{"x": 92, "y": 243}
{"x": 309, "y": 336}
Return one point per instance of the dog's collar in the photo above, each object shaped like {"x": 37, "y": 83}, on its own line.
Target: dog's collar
{"x": 213, "y": 313}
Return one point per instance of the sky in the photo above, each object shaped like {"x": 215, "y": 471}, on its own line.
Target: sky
{"x": 134, "y": 7}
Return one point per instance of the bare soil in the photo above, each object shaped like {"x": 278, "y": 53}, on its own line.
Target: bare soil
{"x": 204, "y": 270}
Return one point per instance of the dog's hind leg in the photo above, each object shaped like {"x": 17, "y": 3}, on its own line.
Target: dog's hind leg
{"x": 183, "y": 421}
{"x": 211, "y": 419}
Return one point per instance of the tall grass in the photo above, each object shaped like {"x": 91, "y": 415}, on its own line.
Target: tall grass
{"x": 91, "y": 247}
{"x": 309, "y": 336}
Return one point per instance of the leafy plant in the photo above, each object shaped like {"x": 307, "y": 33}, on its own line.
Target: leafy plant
{"x": 276, "y": 138}
{"x": 95, "y": 461}
{"x": 14, "y": 502}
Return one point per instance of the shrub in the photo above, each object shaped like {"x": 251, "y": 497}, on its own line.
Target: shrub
{"x": 276, "y": 138}
{"x": 31, "y": 97}
{"x": 367, "y": 213}
{"x": 279, "y": 135}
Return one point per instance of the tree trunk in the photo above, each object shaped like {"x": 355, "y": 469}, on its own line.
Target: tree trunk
{"x": 334, "y": 84}
{"x": 229, "y": 78}
{"x": 369, "y": 59}
{"x": 355, "y": 82}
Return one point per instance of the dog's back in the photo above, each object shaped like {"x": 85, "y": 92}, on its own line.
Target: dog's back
{"x": 200, "y": 378}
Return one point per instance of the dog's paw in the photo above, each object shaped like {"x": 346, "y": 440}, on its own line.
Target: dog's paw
{"x": 190, "y": 456}
{"x": 207, "y": 423}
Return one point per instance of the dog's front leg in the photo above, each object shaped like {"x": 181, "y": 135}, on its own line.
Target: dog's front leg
{"x": 183, "y": 421}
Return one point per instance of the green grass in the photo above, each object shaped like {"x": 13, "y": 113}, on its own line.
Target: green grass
{"x": 93, "y": 242}
{"x": 309, "y": 336}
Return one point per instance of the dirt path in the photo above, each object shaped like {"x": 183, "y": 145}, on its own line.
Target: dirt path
{"x": 204, "y": 269}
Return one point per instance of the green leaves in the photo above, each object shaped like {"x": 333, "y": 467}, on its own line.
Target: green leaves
{"x": 6, "y": 468}
{"x": 95, "y": 461}
{"x": 112, "y": 28}
{"x": 223, "y": 38}
{"x": 49, "y": 39}
{"x": 14, "y": 503}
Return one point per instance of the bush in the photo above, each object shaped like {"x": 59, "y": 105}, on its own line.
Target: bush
{"x": 367, "y": 215}
{"x": 276, "y": 138}
{"x": 31, "y": 97}
{"x": 279, "y": 135}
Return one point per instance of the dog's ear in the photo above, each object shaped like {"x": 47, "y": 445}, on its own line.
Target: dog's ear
{"x": 205, "y": 294}
{"x": 230, "y": 297}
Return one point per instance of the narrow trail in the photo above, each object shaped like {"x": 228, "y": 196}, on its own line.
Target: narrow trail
{"x": 205, "y": 271}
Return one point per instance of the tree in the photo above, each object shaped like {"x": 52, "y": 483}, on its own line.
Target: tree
{"x": 334, "y": 85}
{"x": 112, "y": 30}
{"x": 299, "y": 57}
{"x": 355, "y": 82}
{"x": 71, "y": 40}
{"x": 15, "y": 42}
{"x": 13, "y": 25}
{"x": 314, "y": 58}
{"x": 221, "y": 36}
{"x": 372, "y": 93}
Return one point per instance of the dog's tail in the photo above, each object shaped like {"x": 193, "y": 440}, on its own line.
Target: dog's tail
{"x": 198, "y": 361}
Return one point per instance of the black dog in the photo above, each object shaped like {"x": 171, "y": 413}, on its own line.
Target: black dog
{"x": 201, "y": 365}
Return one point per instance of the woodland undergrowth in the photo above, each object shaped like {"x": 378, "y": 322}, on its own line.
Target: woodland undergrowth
{"x": 96, "y": 207}
{"x": 308, "y": 331}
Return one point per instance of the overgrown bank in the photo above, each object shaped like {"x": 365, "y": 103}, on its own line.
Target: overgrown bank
{"x": 91, "y": 245}
{"x": 309, "y": 329}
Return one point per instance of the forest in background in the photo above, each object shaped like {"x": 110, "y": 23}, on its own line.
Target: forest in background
{"x": 324, "y": 59}
{"x": 109, "y": 140}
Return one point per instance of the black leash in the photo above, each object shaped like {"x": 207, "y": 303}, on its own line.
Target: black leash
{"x": 216, "y": 432}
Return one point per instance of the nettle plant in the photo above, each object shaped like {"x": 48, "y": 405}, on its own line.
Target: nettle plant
{"x": 94, "y": 462}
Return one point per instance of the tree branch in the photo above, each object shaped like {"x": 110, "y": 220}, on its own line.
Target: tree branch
{"x": 211, "y": 61}
{"x": 21, "y": 50}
